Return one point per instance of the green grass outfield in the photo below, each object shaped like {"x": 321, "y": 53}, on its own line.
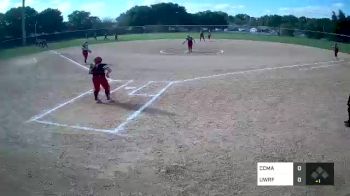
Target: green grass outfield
{"x": 20, "y": 51}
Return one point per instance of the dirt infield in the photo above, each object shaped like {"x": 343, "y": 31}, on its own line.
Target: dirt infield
{"x": 181, "y": 124}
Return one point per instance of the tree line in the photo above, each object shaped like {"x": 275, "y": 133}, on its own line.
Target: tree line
{"x": 51, "y": 20}
{"x": 48, "y": 21}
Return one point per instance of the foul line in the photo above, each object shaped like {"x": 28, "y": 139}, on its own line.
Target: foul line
{"x": 36, "y": 117}
{"x": 134, "y": 91}
{"x": 256, "y": 70}
{"x": 317, "y": 67}
{"x": 73, "y": 126}
{"x": 138, "y": 112}
{"x": 82, "y": 66}
{"x": 71, "y": 60}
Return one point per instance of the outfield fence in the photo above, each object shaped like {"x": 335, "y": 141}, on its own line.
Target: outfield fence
{"x": 122, "y": 30}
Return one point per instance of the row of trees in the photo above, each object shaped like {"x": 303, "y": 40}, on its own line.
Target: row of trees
{"x": 47, "y": 21}
{"x": 51, "y": 20}
{"x": 169, "y": 14}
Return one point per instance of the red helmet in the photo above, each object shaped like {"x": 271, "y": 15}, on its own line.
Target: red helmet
{"x": 98, "y": 60}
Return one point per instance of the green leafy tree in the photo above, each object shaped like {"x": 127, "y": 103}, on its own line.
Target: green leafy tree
{"x": 211, "y": 18}
{"x": 170, "y": 13}
{"x": 137, "y": 16}
{"x": 49, "y": 21}
{"x": 241, "y": 19}
{"x": 80, "y": 20}
{"x": 13, "y": 19}
{"x": 2, "y": 26}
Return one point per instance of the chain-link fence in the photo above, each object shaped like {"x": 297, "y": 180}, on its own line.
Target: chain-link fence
{"x": 227, "y": 29}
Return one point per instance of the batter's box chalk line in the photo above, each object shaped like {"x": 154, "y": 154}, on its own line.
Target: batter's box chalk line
{"x": 37, "y": 117}
{"x": 117, "y": 130}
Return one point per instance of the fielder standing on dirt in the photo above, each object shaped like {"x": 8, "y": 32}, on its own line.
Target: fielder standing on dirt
{"x": 189, "y": 41}
{"x": 209, "y": 34}
{"x": 86, "y": 51}
{"x": 201, "y": 36}
{"x": 336, "y": 50}
{"x": 100, "y": 72}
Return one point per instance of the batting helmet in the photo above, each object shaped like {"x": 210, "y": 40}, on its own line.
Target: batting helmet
{"x": 98, "y": 60}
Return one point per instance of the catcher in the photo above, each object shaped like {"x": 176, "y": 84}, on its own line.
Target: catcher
{"x": 86, "y": 51}
{"x": 100, "y": 72}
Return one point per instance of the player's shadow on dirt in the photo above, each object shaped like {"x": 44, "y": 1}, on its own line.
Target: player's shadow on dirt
{"x": 135, "y": 107}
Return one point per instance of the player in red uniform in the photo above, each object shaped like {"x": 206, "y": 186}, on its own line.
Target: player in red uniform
{"x": 189, "y": 41}
{"x": 100, "y": 72}
{"x": 86, "y": 51}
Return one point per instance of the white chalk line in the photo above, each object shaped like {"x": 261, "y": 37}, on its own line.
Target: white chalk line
{"x": 82, "y": 66}
{"x": 186, "y": 52}
{"x": 36, "y": 117}
{"x": 71, "y": 60}
{"x": 255, "y": 70}
{"x": 162, "y": 52}
{"x": 74, "y": 126}
{"x": 143, "y": 95}
{"x": 141, "y": 87}
{"x": 41, "y": 115}
{"x": 318, "y": 67}
{"x": 141, "y": 109}
{"x": 129, "y": 87}
{"x": 221, "y": 52}
{"x": 122, "y": 86}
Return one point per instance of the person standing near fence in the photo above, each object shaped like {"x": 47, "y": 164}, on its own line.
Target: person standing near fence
{"x": 100, "y": 72}
{"x": 85, "y": 49}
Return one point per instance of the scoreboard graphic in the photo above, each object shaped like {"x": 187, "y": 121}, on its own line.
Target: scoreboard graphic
{"x": 294, "y": 174}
